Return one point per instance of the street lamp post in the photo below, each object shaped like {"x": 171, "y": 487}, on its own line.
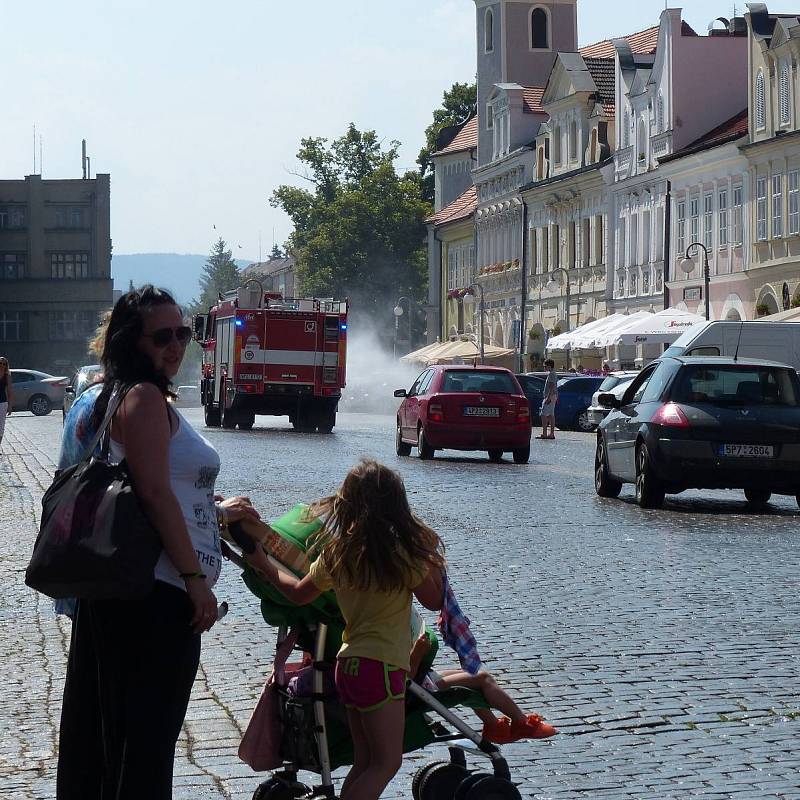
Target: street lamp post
{"x": 398, "y": 312}
{"x": 687, "y": 265}
{"x": 469, "y": 294}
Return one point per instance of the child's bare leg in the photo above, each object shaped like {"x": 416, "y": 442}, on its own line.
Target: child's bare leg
{"x": 383, "y": 729}
{"x": 361, "y": 754}
{"x": 485, "y": 683}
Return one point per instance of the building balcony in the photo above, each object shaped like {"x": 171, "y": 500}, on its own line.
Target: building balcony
{"x": 623, "y": 162}
{"x": 661, "y": 145}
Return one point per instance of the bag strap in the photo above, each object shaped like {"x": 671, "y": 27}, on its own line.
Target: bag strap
{"x": 117, "y": 396}
{"x": 282, "y": 653}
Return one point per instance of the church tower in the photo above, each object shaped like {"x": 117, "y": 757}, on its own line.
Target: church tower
{"x": 517, "y": 43}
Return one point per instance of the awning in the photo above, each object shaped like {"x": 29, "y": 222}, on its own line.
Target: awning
{"x": 792, "y": 315}
{"x": 602, "y": 337}
{"x": 453, "y": 352}
{"x": 661, "y": 328}
{"x": 418, "y": 356}
{"x": 566, "y": 341}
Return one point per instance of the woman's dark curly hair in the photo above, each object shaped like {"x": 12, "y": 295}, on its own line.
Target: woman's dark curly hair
{"x": 121, "y": 358}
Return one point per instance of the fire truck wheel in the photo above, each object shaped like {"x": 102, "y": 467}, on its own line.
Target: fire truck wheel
{"x": 326, "y": 421}
{"x": 304, "y": 422}
{"x": 246, "y": 422}
{"x": 229, "y": 420}
{"x": 212, "y": 416}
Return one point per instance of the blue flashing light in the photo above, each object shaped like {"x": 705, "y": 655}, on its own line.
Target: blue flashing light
{"x": 343, "y": 326}
{"x": 239, "y": 323}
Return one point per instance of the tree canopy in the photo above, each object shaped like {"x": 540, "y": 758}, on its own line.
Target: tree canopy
{"x": 359, "y": 230}
{"x": 457, "y": 105}
{"x": 220, "y": 274}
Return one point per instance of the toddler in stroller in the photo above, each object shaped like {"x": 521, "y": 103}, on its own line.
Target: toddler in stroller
{"x": 370, "y": 548}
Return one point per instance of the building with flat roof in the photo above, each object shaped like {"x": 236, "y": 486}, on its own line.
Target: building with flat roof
{"x": 55, "y": 269}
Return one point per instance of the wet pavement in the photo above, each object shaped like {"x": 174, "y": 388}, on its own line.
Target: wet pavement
{"x": 663, "y": 644}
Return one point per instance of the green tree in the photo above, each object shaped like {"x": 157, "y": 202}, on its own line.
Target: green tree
{"x": 458, "y": 104}
{"x": 220, "y": 274}
{"x": 359, "y": 230}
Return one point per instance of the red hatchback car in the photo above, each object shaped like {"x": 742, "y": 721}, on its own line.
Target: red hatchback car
{"x": 465, "y": 408}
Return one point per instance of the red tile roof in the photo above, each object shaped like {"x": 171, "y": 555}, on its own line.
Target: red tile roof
{"x": 644, "y": 42}
{"x": 463, "y": 207}
{"x": 532, "y": 99}
{"x": 465, "y": 139}
{"x": 730, "y": 130}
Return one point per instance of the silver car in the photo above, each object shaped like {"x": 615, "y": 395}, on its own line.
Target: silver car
{"x": 36, "y": 391}
{"x": 616, "y": 383}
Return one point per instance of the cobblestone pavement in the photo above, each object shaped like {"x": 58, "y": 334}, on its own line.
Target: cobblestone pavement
{"x": 663, "y": 644}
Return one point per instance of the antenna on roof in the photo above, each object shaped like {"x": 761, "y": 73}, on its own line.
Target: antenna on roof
{"x": 34, "y": 148}
{"x": 738, "y": 341}
{"x": 41, "y": 170}
{"x": 83, "y": 158}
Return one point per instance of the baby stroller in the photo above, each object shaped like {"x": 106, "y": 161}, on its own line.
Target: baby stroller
{"x": 314, "y": 732}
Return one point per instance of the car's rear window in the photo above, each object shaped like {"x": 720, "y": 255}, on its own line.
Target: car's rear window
{"x": 736, "y": 386}
{"x": 477, "y": 381}
{"x": 610, "y": 382}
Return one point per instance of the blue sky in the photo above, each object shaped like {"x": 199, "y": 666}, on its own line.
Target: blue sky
{"x": 197, "y": 108}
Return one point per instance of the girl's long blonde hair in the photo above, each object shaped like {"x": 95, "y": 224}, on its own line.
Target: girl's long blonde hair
{"x": 370, "y": 538}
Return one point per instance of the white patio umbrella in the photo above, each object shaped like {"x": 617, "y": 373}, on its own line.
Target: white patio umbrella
{"x": 419, "y": 356}
{"x": 792, "y": 315}
{"x": 661, "y": 328}
{"x": 602, "y": 336}
{"x": 566, "y": 341}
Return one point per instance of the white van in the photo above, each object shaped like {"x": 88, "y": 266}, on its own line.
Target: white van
{"x": 775, "y": 341}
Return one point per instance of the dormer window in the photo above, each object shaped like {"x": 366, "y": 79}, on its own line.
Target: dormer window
{"x": 642, "y": 141}
{"x": 783, "y": 91}
{"x": 489, "y": 30}
{"x": 573, "y": 141}
{"x": 540, "y": 29}
{"x": 557, "y": 144}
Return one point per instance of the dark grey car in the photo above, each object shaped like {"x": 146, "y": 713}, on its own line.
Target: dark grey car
{"x": 36, "y": 391}
{"x": 702, "y": 423}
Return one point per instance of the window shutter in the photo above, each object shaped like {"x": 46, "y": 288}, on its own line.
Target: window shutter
{"x": 784, "y": 94}
{"x": 760, "y": 110}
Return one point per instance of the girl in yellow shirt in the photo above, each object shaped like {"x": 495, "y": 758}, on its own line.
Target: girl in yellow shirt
{"x": 374, "y": 553}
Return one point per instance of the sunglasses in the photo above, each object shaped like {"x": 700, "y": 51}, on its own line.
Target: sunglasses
{"x": 163, "y": 336}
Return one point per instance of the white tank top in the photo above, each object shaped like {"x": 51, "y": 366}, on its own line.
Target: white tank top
{"x": 193, "y": 469}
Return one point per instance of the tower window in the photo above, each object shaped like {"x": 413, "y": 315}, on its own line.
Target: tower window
{"x": 489, "y": 30}
{"x": 540, "y": 34}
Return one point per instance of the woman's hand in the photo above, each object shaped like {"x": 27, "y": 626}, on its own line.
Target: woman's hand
{"x": 237, "y": 508}
{"x": 204, "y": 603}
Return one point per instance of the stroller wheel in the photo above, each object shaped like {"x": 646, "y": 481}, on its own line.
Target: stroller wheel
{"x": 468, "y": 783}
{"x": 416, "y": 781}
{"x": 441, "y": 781}
{"x": 491, "y": 788}
{"x": 276, "y": 789}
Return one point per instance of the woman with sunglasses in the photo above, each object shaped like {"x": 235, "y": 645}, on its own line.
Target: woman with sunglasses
{"x": 132, "y": 663}
{"x": 6, "y": 394}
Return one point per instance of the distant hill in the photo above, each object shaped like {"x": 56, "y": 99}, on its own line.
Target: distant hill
{"x": 179, "y": 273}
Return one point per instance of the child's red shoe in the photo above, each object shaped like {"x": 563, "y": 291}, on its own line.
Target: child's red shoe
{"x": 500, "y": 732}
{"x": 533, "y": 727}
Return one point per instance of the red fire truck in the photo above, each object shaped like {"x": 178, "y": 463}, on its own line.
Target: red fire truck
{"x": 266, "y": 354}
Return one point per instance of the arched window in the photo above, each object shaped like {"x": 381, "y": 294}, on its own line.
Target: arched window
{"x": 573, "y": 141}
{"x": 784, "y": 94}
{"x": 660, "y": 113}
{"x": 593, "y": 147}
{"x": 540, "y": 164}
{"x": 489, "y": 30}
{"x": 626, "y": 129}
{"x": 557, "y": 144}
{"x": 540, "y": 34}
{"x": 761, "y": 116}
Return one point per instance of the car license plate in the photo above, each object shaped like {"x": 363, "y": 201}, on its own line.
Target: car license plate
{"x": 481, "y": 411}
{"x": 746, "y": 450}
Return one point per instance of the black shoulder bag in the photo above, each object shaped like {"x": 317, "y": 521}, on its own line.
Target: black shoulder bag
{"x": 94, "y": 541}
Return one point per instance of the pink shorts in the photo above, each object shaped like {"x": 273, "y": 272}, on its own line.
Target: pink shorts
{"x": 366, "y": 684}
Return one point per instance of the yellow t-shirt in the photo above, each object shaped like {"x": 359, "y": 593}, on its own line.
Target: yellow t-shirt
{"x": 376, "y": 623}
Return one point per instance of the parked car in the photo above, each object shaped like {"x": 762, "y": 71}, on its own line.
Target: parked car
{"x": 574, "y": 398}
{"x": 533, "y": 387}
{"x": 464, "y": 408}
{"x": 36, "y": 391}
{"x": 614, "y": 382}
{"x": 81, "y": 381}
{"x": 702, "y": 423}
{"x": 188, "y": 397}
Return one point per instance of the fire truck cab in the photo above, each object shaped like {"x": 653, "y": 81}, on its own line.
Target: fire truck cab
{"x": 266, "y": 354}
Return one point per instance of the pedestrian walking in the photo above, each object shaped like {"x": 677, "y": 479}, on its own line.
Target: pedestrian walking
{"x": 375, "y": 553}
{"x": 132, "y": 662}
{"x": 550, "y": 399}
{"x": 6, "y": 394}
